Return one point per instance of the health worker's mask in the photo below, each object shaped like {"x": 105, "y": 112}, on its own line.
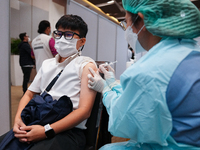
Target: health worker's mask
{"x": 132, "y": 39}
{"x": 66, "y": 48}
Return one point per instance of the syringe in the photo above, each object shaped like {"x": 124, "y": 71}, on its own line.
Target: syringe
{"x": 110, "y": 63}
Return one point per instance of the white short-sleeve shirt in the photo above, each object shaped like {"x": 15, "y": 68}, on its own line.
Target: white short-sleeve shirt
{"x": 69, "y": 82}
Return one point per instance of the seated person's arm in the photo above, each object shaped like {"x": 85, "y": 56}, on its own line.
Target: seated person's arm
{"x": 87, "y": 97}
{"x": 18, "y": 123}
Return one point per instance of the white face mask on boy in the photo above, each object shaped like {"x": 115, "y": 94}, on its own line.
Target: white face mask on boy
{"x": 132, "y": 39}
{"x": 66, "y": 48}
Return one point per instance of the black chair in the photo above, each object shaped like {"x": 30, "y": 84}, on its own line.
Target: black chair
{"x": 97, "y": 133}
{"x": 93, "y": 123}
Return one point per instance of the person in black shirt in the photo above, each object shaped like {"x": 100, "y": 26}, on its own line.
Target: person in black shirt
{"x": 25, "y": 60}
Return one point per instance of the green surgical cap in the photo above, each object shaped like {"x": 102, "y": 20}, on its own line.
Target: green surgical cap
{"x": 167, "y": 18}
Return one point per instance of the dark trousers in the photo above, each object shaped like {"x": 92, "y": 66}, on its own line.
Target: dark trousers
{"x": 73, "y": 139}
{"x": 27, "y": 72}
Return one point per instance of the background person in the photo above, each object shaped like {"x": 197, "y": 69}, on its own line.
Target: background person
{"x": 25, "y": 60}
{"x": 43, "y": 44}
{"x": 130, "y": 52}
{"x": 157, "y": 103}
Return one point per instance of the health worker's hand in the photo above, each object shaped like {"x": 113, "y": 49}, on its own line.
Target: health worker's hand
{"x": 96, "y": 82}
{"x": 109, "y": 73}
{"x": 108, "y": 67}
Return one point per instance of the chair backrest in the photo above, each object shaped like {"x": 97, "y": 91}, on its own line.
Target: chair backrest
{"x": 93, "y": 124}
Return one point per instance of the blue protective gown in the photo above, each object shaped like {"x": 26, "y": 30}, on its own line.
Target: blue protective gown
{"x": 138, "y": 107}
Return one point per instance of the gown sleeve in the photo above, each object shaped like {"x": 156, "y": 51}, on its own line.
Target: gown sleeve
{"x": 138, "y": 110}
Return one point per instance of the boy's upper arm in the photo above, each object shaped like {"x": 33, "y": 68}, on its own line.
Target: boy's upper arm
{"x": 87, "y": 95}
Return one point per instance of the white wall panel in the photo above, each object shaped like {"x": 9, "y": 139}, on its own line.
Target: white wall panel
{"x": 14, "y": 4}
{"x": 106, "y": 40}
{"x": 26, "y": 1}
{"x": 14, "y": 23}
{"x": 42, "y": 4}
{"x": 4, "y": 67}
{"x": 121, "y": 52}
{"x": 25, "y": 18}
{"x": 55, "y": 12}
{"x": 37, "y": 16}
{"x": 91, "y": 19}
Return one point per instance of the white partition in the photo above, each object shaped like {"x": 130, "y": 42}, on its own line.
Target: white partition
{"x": 121, "y": 52}
{"x": 91, "y": 19}
{"x": 37, "y": 16}
{"x": 25, "y": 18}
{"x": 14, "y": 23}
{"x": 4, "y": 67}
{"x": 55, "y": 12}
{"x": 105, "y": 39}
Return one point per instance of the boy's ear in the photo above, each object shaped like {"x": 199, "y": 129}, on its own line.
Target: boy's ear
{"x": 83, "y": 40}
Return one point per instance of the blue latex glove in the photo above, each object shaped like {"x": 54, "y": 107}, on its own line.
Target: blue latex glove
{"x": 96, "y": 82}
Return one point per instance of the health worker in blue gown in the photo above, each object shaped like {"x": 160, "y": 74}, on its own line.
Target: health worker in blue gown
{"x": 157, "y": 102}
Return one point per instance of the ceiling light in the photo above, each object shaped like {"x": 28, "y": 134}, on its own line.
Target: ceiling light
{"x": 121, "y": 18}
{"x": 105, "y": 4}
{"x": 110, "y": 2}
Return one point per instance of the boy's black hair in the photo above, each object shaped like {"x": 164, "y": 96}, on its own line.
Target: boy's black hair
{"x": 42, "y": 26}
{"x": 22, "y": 35}
{"x": 73, "y": 22}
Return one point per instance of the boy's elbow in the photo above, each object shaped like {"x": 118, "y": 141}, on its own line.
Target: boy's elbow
{"x": 87, "y": 115}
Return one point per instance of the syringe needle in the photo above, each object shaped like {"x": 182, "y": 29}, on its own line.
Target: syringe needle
{"x": 111, "y": 63}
